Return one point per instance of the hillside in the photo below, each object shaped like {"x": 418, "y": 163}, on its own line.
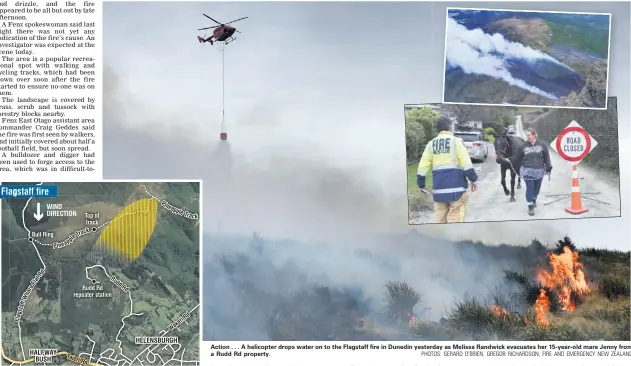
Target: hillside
{"x": 594, "y": 92}
{"x": 571, "y": 69}
{"x": 539, "y": 293}
{"x": 587, "y": 33}
{"x": 471, "y": 88}
{"x": 533, "y": 32}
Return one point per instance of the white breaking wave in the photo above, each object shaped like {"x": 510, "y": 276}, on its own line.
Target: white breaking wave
{"x": 476, "y": 52}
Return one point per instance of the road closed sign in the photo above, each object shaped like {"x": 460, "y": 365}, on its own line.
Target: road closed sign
{"x": 574, "y": 143}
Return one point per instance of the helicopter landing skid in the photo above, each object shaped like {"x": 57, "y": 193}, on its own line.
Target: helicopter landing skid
{"x": 230, "y": 40}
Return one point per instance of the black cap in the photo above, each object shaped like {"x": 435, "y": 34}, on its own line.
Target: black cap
{"x": 443, "y": 124}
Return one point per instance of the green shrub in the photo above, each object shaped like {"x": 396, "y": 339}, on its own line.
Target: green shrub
{"x": 419, "y": 130}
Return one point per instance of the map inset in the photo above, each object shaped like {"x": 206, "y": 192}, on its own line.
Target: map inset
{"x": 103, "y": 274}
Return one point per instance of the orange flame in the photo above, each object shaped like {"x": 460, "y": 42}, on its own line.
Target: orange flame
{"x": 499, "y": 311}
{"x": 566, "y": 276}
{"x": 542, "y": 305}
{"x": 412, "y": 320}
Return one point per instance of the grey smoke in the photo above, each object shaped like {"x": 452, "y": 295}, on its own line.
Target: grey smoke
{"x": 307, "y": 199}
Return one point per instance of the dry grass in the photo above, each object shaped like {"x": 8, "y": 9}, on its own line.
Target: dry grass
{"x": 322, "y": 313}
{"x": 602, "y": 315}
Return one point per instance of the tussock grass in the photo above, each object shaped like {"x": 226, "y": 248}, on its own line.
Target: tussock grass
{"x": 401, "y": 299}
{"x": 326, "y": 313}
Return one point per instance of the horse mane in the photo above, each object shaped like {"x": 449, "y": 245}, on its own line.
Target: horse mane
{"x": 514, "y": 140}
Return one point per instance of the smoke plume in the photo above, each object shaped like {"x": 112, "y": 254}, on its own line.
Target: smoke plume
{"x": 323, "y": 221}
{"x": 476, "y": 52}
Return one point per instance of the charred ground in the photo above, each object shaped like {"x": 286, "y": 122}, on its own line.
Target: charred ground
{"x": 252, "y": 295}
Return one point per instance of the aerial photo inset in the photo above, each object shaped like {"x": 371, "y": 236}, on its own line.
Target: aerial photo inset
{"x": 526, "y": 58}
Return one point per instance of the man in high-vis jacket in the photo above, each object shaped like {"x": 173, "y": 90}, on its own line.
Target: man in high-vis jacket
{"x": 448, "y": 160}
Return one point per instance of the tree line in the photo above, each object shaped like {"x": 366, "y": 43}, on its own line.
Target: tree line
{"x": 419, "y": 123}
{"x": 602, "y": 125}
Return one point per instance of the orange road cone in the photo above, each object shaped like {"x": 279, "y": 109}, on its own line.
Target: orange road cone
{"x": 576, "y": 207}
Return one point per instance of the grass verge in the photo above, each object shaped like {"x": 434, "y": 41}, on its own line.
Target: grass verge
{"x": 416, "y": 200}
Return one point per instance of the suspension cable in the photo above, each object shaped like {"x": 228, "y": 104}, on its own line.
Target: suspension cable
{"x": 223, "y": 89}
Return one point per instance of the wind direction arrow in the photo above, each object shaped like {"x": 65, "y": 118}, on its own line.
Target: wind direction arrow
{"x": 38, "y": 215}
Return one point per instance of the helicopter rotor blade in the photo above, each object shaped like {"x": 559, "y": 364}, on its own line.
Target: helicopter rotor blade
{"x": 237, "y": 20}
{"x": 212, "y": 19}
{"x": 208, "y": 28}
{"x": 237, "y": 31}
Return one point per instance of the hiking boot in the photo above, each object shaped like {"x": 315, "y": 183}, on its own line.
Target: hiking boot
{"x": 531, "y": 210}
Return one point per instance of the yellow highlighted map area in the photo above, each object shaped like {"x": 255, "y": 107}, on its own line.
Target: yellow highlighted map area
{"x": 127, "y": 235}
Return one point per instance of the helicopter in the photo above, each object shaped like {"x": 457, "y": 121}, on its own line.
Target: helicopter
{"x": 222, "y": 33}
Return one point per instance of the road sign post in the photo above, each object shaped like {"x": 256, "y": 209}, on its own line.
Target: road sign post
{"x": 573, "y": 144}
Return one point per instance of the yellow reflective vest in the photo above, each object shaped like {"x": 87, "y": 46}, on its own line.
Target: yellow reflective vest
{"x": 448, "y": 160}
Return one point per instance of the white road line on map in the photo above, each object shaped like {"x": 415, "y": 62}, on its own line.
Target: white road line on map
{"x": 131, "y": 303}
{"x": 34, "y": 242}
{"x": 173, "y": 209}
{"x": 91, "y": 351}
{"x": 62, "y": 244}
{"x": 160, "y": 334}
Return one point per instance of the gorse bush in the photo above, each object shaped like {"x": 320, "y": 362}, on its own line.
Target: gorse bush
{"x": 614, "y": 284}
{"x": 562, "y": 244}
{"x": 318, "y": 313}
{"x": 476, "y": 320}
{"x": 419, "y": 130}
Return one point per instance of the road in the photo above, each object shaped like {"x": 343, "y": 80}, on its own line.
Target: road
{"x": 489, "y": 203}
{"x": 119, "y": 357}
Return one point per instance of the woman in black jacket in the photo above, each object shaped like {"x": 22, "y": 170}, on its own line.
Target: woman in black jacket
{"x": 534, "y": 158}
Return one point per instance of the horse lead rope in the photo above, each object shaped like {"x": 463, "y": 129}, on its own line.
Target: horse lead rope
{"x": 511, "y": 167}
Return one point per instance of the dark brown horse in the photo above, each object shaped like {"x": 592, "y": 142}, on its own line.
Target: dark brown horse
{"x": 506, "y": 147}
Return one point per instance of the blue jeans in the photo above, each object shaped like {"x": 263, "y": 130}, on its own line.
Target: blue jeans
{"x": 532, "y": 190}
